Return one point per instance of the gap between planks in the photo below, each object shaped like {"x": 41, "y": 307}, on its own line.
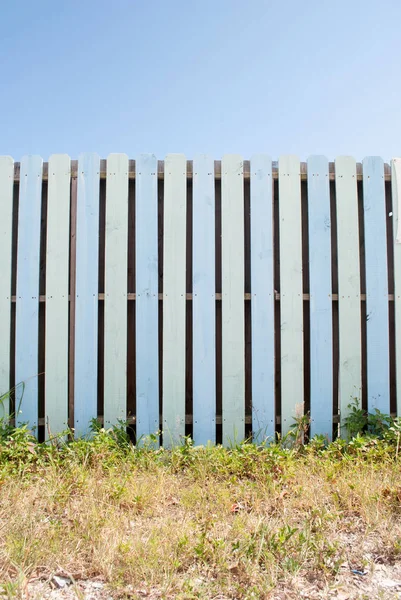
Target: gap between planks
{"x": 217, "y": 170}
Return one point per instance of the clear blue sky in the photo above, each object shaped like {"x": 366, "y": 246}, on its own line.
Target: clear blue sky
{"x": 195, "y": 76}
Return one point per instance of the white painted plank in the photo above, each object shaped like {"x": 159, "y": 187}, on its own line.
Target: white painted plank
{"x": 349, "y": 288}
{"x": 320, "y": 305}
{"x": 396, "y": 209}
{"x": 57, "y": 283}
{"x": 87, "y": 290}
{"x": 377, "y": 313}
{"x": 203, "y": 301}
{"x": 147, "y": 303}
{"x": 115, "y": 301}
{"x": 232, "y": 275}
{"x": 174, "y": 298}
{"x": 27, "y": 310}
{"x": 6, "y": 223}
{"x": 262, "y": 281}
{"x": 291, "y": 299}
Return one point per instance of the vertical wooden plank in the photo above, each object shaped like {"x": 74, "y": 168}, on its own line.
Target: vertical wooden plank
{"x": 204, "y": 303}
{"x": 233, "y": 320}
{"x": 320, "y": 306}
{"x": 86, "y": 293}
{"x": 396, "y": 197}
{"x": 174, "y": 298}
{"x": 6, "y": 220}
{"x": 73, "y": 264}
{"x": 27, "y": 310}
{"x": 57, "y": 281}
{"x": 291, "y": 298}
{"x": 115, "y": 301}
{"x": 349, "y": 285}
{"x": 146, "y": 305}
{"x": 377, "y": 313}
{"x": 262, "y": 309}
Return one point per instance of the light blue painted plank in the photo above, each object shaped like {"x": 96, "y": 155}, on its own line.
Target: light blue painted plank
{"x": 27, "y": 310}
{"x": 396, "y": 206}
{"x": 233, "y": 314}
{"x": 377, "y": 326}
{"x": 203, "y": 302}
{"x": 262, "y": 281}
{"x": 6, "y": 225}
{"x": 147, "y": 315}
{"x": 320, "y": 306}
{"x": 115, "y": 287}
{"x": 174, "y": 298}
{"x": 86, "y": 302}
{"x": 291, "y": 292}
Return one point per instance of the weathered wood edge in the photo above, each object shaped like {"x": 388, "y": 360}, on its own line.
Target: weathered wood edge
{"x": 217, "y": 170}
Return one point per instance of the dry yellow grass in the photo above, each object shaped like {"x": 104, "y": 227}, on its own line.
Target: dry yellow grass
{"x": 202, "y": 523}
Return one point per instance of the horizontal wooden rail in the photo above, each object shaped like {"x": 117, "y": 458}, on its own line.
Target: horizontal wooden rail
{"x": 247, "y": 296}
{"x": 217, "y": 170}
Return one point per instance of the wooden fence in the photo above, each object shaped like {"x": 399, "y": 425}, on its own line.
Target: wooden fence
{"x": 216, "y": 299}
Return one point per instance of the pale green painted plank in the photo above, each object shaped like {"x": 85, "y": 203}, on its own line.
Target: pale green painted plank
{"x": 232, "y": 276}
{"x": 396, "y": 193}
{"x": 174, "y": 298}
{"x": 291, "y": 299}
{"x": 57, "y": 282}
{"x": 349, "y": 286}
{"x": 6, "y": 218}
{"x": 115, "y": 301}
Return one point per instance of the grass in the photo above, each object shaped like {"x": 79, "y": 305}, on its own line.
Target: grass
{"x": 197, "y": 522}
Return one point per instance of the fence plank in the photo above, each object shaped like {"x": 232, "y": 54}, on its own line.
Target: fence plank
{"x": 6, "y": 222}
{"x": 115, "y": 301}
{"x": 321, "y": 323}
{"x": 377, "y": 313}
{"x": 291, "y": 302}
{"x": 396, "y": 197}
{"x": 349, "y": 305}
{"x": 86, "y": 307}
{"x": 203, "y": 301}
{"x": 57, "y": 283}
{"x": 262, "y": 298}
{"x": 27, "y": 310}
{"x": 233, "y": 320}
{"x": 147, "y": 307}
{"x": 174, "y": 298}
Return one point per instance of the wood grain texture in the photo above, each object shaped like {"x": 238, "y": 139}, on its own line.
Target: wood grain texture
{"x": 57, "y": 282}
{"x": 203, "y": 303}
{"x": 233, "y": 320}
{"x": 262, "y": 299}
{"x": 27, "y": 310}
{"x": 396, "y": 194}
{"x": 6, "y": 223}
{"x": 377, "y": 312}
{"x": 86, "y": 293}
{"x": 147, "y": 307}
{"x": 349, "y": 301}
{"x": 174, "y": 300}
{"x": 320, "y": 307}
{"x": 291, "y": 304}
{"x": 115, "y": 301}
